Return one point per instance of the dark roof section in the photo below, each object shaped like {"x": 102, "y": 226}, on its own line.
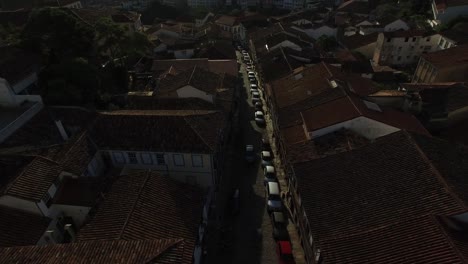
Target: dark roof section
{"x": 81, "y": 191}
{"x": 135, "y": 102}
{"x": 197, "y": 77}
{"x": 32, "y": 180}
{"x": 147, "y": 205}
{"x": 165, "y": 251}
{"x": 217, "y": 50}
{"x": 168, "y": 131}
{"x": 458, "y": 33}
{"x": 20, "y": 228}
{"x": 451, "y": 57}
{"x": 354, "y": 7}
{"x": 16, "y": 18}
{"x": 216, "y": 66}
{"x": 276, "y": 64}
{"x": 419, "y": 240}
{"x": 78, "y": 155}
{"x": 357, "y": 40}
{"x": 375, "y": 186}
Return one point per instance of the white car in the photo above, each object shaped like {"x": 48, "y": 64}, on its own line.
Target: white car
{"x": 253, "y": 90}
{"x": 259, "y": 118}
{"x": 253, "y": 85}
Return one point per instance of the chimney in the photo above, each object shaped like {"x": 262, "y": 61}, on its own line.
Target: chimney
{"x": 61, "y": 129}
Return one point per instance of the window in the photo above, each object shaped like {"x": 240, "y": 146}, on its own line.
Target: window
{"x": 160, "y": 159}
{"x": 132, "y": 157}
{"x": 428, "y": 38}
{"x": 407, "y": 57}
{"x": 118, "y": 157}
{"x": 146, "y": 158}
{"x": 197, "y": 160}
{"x": 415, "y": 57}
{"x": 399, "y": 58}
{"x": 178, "y": 160}
{"x": 406, "y": 39}
{"x": 389, "y": 39}
{"x": 414, "y": 39}
{"x": 47, "y": 200}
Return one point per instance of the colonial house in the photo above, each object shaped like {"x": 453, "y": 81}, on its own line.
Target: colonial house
{"x": 185, "y": 145}
{"x": 144, "y": 205}
{"x": 445, "y": 10}
{"x": 448, "y": 65}
{"x": 233, "y": 25}
{"x": 374, "y": 191}
{"x": 403, "y": 47}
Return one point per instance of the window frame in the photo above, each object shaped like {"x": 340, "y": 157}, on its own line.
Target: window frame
{"x": 160, "y": 156}
{"x": 201, "y": 161}
{"x": 114, "y": 156}
{"x": 174, "y": 160}
{"x": 143, "y": 160}
{"x": 132, "y": 157}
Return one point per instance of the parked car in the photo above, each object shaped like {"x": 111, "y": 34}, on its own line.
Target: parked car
{"x": 253, "y": 85}
{"x": 274, "y": 203}
{"x": 249, "y": 68}
{"x": 249, "y": 64}
{"x": 259, "y": 118}
{"x": 266, "y": 144}
{"x": 255, "y": 97}
{"x": 254, "y": 90}
{"x": 259, "y": 106}
{"x": 234, "y": 202}
{"x": 253, "y": 80}
{"x": 245, "y": 52}
{"x": 284, "y": 252}
{"x": 249, "y": 153}
{"x": 269, "y": 174}
{"x": 267, "y": 158}
{"x": 280, "y": 231}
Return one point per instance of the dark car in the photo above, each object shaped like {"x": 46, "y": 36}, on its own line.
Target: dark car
{"x": 266, "y": 144}
{"x": 234, "y": 202}
{"x": 280, "y": 231}
{"x": 259, "y": 106}
{"x": 249, "y": 153}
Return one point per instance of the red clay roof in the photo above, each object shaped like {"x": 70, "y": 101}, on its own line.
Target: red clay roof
{"x": 451, "y": 57}
{"x": 351, "y": 107}
{"x": 147, "y": 205}
{"x": 397, "y": 178}
{"x": 172, "y": 131}
{"x": 419, "y": 240}
{"x": 19, "y": 228}
{"x": 99, "y": 252}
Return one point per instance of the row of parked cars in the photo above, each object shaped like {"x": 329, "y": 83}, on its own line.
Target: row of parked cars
{"x": 275, "y": 206}
{"x": 255, "y": 96}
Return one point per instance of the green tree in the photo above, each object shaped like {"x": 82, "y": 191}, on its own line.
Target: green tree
{"x": 57, "y": 34}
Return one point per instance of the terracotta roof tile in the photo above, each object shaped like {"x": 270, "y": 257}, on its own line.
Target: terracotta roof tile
{"x": 146, "y": 205}
{"x": 20, "y": 228}
{"x": 153, "y": 130}
{"x": 372, "y": 187}
{"x": 419, "y": 240}
{"x": 163, "y": 251}
{"x": 451, "y": 57}
{"x": 32, "y": 180}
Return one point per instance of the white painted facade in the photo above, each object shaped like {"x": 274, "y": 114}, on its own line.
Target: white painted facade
{"x": 368, "y": 128}
{"x": 403, "y": 50}
{"x": 196, "y": 169}
{"x": 189, "y": 91}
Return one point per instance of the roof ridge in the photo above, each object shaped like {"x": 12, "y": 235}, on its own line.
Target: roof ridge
{"x": 134, "y": 204}
{"x": 285, "y": 58}
{"x": 434, "y": 170}
{"x": 355, "y": 107}
{"x": 191, "y": 75}
{"x": 171, "y": 242}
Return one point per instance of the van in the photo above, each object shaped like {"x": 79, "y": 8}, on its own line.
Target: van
{"x": 274, "y": 203}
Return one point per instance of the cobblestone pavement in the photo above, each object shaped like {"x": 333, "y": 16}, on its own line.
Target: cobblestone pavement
{"x": 247, "y": 237}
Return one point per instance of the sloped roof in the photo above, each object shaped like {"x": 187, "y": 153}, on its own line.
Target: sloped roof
{"x": 451, "y": 57}
{"x": 216, "y": 66}
{"x": 32, "y": 179}
{"x": 355, "y": 7}
{"x": 20, "y": 228}
{"x": 357, "y": 40}
{"x": 351, "y": 107}
{"x": 17, "y": 18}
{"x": 168, "y": 131}
{"x": 419, "y": 240}
{"x": 147, "y": 205}
{"x": 196, "y": 77}
{"x": 391, "y": 180}
{"x": 135, "y": 102}
{"x": 227, "y": 20}
{"x": 100, "y": 252}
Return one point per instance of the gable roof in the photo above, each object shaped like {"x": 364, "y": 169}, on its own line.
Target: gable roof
{"x": 452, "y": 57}
{"x": 31, "y": 179}
{"x": 147, "y": 205}
{"x": 357, "y": 40}
{"x": 354, "y": 7}
{"x": 351, "y": 107}
{"x": 419, "y": 240}
{"x": 20, "y": 228}
{"x": 197, "y": 131}
{"x": 197, "y": 77}
{"x": 99, "y": 252}
{"x": 391, "y": 180}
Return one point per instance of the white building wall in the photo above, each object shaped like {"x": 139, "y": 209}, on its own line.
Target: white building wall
{"x": 364, "y": 126}
{"x": 21, "y": 204}
{"x": 188, "y": 172}
{"x": 189, "y": 91}
{"x": 400, "y": 51}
